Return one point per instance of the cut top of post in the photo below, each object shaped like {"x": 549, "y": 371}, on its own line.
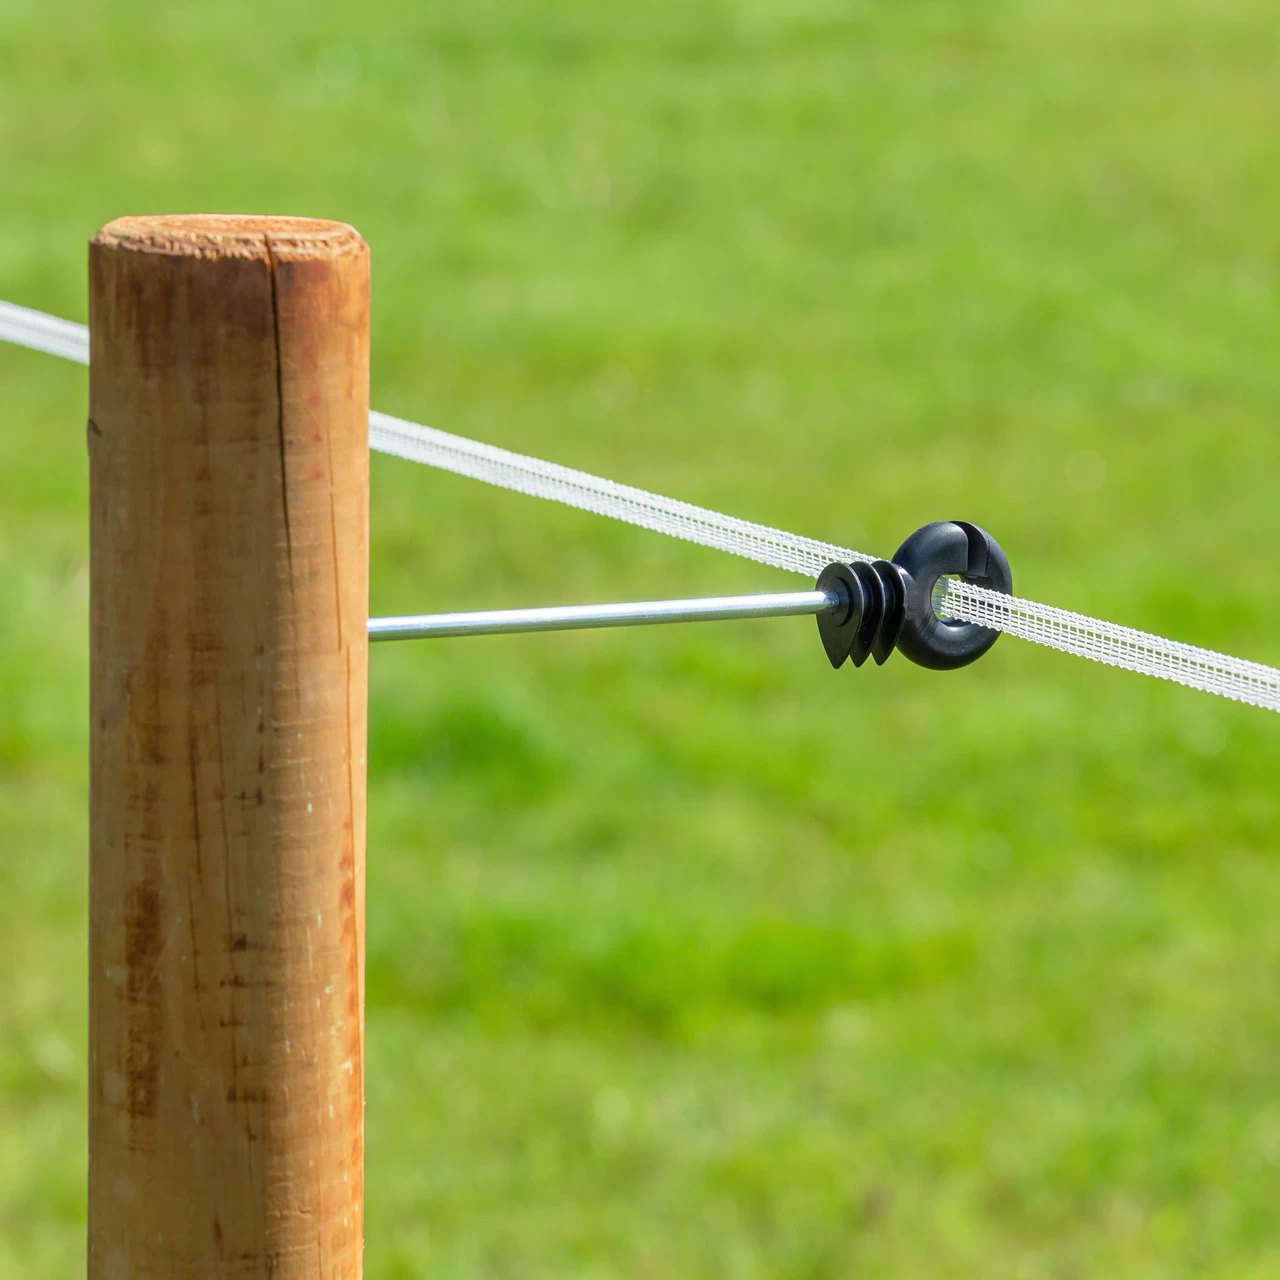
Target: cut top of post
{"x": 231, "y": 235}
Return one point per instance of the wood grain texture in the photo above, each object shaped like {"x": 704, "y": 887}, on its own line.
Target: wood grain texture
{"x": 228, "y": 445}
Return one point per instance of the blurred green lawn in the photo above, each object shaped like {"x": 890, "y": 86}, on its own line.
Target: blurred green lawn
{"x": 688, "y": 957}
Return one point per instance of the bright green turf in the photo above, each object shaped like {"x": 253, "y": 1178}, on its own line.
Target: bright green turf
{"x": 686, "y": 956}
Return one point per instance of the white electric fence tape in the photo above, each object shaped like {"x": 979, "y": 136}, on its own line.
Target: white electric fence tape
{"x": 1073, "y": 633}
{"x": 604, "y": 497}
{"x": 40, "y": 332}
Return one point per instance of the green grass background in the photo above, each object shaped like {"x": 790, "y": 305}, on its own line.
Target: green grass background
{"x": 688, "y": 957}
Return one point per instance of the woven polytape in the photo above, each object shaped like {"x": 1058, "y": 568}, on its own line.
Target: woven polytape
{"x": 1073, "y": 633}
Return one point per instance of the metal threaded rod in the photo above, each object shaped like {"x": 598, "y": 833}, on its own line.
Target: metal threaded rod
{"x": 788, "y": 604}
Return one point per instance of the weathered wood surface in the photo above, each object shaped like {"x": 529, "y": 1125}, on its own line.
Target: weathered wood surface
{"x": 228, "y": 444}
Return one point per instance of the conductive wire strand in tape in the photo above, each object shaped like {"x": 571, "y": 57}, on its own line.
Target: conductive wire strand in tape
{"x": 1074, "y": 633}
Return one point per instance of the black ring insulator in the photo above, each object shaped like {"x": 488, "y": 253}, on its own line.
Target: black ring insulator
{"x": 948, "y": 547}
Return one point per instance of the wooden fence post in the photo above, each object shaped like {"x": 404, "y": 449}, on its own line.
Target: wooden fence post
{"x": 229, "y": 477}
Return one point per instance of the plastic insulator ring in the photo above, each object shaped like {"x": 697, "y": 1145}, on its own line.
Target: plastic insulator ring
{"x": 948, "y": 547}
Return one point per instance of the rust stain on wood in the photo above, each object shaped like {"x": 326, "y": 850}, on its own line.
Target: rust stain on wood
{"x": 143, "y": 946}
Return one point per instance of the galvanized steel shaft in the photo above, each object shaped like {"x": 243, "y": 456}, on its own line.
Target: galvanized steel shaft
{"x": 580, "y": 617}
